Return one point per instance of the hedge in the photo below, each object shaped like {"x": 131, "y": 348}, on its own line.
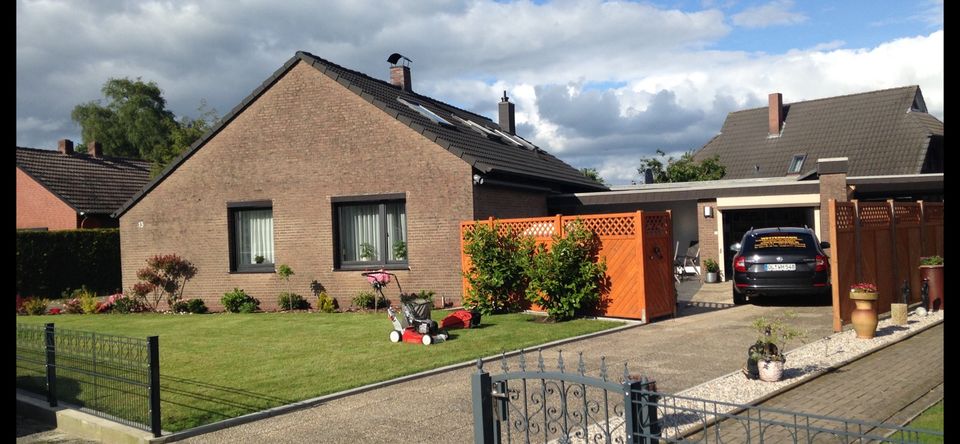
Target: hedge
{"x": 49, "y": 262}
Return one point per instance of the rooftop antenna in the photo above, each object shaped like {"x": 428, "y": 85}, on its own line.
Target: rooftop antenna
{"x": 396, "y": 57}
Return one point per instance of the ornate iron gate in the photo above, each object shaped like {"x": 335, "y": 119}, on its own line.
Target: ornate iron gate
{"x": 537, "y": 405}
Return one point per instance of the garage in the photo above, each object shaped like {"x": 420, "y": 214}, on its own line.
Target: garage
{"x": 736, "y": 222}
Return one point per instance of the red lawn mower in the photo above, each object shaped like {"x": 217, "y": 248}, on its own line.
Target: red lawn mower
{"x": 413, "y": 323}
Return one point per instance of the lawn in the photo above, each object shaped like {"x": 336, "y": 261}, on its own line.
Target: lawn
{"x": 219, "y": 366}
{"x": 930, "y": 419}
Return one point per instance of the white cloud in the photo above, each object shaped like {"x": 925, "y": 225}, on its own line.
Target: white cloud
{"x": 773, "y": 13}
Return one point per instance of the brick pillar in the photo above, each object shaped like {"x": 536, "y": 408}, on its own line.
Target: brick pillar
{"x": 708, "y": 233}
{"x": 833, "y": 185}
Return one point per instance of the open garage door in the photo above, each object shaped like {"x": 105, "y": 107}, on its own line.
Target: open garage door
{"x": 737, "y": 222}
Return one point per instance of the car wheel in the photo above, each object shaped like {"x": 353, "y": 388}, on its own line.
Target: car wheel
{"x": 394, "y": 336}
{"x": 739, "y": 298}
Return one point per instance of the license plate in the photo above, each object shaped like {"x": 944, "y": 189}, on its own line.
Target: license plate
{"x": 780, "y": 267}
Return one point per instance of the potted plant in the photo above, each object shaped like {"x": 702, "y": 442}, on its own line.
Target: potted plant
{"x": 864, "y": 317}
{"x": 713, "y": 270}
{"x": 931, "y": 270}
{"x": 367, "y": 252}
{"x": 258, "y": 259}
{"x": 767, "y": 353}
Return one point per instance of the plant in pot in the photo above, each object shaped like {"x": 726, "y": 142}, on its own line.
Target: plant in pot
{"x": 713, "y": 270}
{"x": 931, "y": 270}
{"x": 767, "y": 353}
{"x": 864, "y": 316}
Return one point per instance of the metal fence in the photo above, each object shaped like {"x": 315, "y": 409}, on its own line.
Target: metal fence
{"x": 114, "y": 377}
{"x": 695, "y": 420}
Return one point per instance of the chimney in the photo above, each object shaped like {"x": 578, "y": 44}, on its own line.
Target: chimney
{"x": 65, "y": 146}
{"x": 95, "y": 149}
{"x": 400, "y": 76}
{"x": 776, "y": 114}
{"x": 507, "y": 120}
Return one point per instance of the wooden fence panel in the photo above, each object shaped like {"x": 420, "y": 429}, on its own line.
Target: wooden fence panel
{"x": 657, "y": 255}
{"x": 876, "y": 250}
{"x": 907, "y": 239}
{"x": 932, "y": 229}
{"x": 843, "y": 267}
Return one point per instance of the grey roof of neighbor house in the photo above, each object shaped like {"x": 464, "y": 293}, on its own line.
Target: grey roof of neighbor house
{"x": 95, "y": 185}
{"x": 886, "y": 132}
{"x": 488, "y": 154}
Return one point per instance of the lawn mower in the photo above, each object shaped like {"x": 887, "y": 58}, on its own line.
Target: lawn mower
{"x": 412, "y": 322}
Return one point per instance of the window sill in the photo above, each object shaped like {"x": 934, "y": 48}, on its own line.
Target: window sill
{"x": 390, "y": 267}
{"x": 270, "y": 270}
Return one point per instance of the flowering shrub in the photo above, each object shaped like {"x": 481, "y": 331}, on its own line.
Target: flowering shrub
{"x": 163, "y": 275}
{"x": 19, "y": 304}
{"x": 73, "y": 306}
{"x": 54, "y": 311}
{"x": 864, "y": 286}
{"x": 35, "y": 306}
{"x": 122, "y": 303}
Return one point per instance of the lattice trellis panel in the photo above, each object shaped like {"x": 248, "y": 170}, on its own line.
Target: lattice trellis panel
{"x": 527, "y": 227}
{"x": 656, "y": 225}
{"x": 933, "y": 212}
{"x": 845, "y": 216}
{"x": 874, "y": 214}
{"x": 906, "y": 213}
{"x": 606, "y": 226}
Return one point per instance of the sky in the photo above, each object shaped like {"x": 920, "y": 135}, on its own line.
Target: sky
{"x": 599, "y": 84}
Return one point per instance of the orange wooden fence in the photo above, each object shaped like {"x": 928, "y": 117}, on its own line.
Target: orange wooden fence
{"x": 880, "y": 242}
{"x": 637, "y": 247}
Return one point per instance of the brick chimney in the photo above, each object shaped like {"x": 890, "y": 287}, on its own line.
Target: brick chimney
{"x": 776, "y": 114}
{"x": 65, "y": 146}
{"x": 95, "y": 149}
{"x": 400, "y": 76}
{"x": 507, "y": 120}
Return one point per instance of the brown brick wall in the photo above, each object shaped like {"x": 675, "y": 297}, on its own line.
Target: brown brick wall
{"x": 708, "y": 231}
{"x": 503, "y": 203}
{"x": 37, "y": 207}
{"x": 305, "y": 140}
{"x": 832, "y": 186}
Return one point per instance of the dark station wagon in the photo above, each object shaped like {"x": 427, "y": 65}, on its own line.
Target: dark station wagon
{"x": 779, "y": 262}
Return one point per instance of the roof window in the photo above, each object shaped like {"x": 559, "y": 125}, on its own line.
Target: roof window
{"x": 516, "y": 140}
{"x": 796, "y": 164}
{"x": 424, "y": 111}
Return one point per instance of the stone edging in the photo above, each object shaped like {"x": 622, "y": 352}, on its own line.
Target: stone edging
{"x": 312, "y": 402}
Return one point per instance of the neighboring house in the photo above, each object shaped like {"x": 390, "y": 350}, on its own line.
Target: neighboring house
{"x": 333, "y": 172}
{"x": 783, "y": 164}
{"x": 63, "y": 190}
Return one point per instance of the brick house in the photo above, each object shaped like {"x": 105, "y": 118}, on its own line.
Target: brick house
{"x": 333, "y": 172}
{"x": 64, "y": 190}
{"x": 785, "y": 161}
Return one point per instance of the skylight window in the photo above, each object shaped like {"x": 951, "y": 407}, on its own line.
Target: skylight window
{"x": 516, "y": 141}
{"x": 796, "y": 164}
{"x": 478, "y": 128}
{"x": 424, "y": 111}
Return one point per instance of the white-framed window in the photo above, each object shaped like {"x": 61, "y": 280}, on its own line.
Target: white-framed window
{"x": 796, "y": 164}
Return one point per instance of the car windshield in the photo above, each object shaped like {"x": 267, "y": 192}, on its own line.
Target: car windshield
{"x": 780, "y": 242}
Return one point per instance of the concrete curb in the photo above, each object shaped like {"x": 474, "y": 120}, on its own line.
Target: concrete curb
{"x": 802, "y": 381}
{"x": 312, "y": 402}
{"x": 71, "y": 420}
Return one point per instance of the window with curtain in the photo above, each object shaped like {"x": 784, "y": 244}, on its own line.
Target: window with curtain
{"x": 251, "y": 239}
{"x": 372, "y": 233}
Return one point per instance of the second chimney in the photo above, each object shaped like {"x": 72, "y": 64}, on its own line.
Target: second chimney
{"x": 776, "y": 114}
{"x": 400, "y": 76}
{"x": 65, "y": 146}
{"x": 95, "y": 149}
{"x": 507, "y": 120}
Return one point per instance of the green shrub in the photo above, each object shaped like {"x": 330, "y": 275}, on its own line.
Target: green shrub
{"x": 191, "y": 306}
{"x": 35, "y": 306}
{"x": 496, "y": 275}
{"x": 49, "y": 262}
{"x": 89, "y": 303}
{"x": 711, "y": 265}
{"x": 292, "y": 301}
{"x": 365, "y": 299}
{"x": 325, "y": 303}
{"x": 128, "y": 304}
{"x": 238, "y": 301}
{"x": 567, "y": 278}
{"x": 164, "y": 275}
{"x": 931, "y": 260}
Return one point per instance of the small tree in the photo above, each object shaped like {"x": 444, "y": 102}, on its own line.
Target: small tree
{"x": 496, "y": 275}
{"x": 567, "y": 277}
{"x": 684, "y": 169}
{"x": 164, "y": 275}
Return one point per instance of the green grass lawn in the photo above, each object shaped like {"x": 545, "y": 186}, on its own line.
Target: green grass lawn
{"x": 220, "y": 366}
{"x": 930, "y": 419}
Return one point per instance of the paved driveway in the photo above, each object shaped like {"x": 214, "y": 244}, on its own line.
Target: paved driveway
{"x": 701, "y": 344}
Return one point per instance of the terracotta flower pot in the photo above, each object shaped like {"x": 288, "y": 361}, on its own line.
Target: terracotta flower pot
{"x": 934, "y": 276}
{"x": 770, "y": 371}
{"x": 864, "y": 317}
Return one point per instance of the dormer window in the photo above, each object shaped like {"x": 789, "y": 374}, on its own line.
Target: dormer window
{"x": 796, "y": 164}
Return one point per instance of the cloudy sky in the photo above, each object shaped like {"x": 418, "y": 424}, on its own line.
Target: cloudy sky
{"x": 600, "y": 84}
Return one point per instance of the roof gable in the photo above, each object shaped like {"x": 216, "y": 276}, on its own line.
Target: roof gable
{"x": 504, "y": 156}
{"x": 95, "y": 185}
{"x": 882, "y": 132}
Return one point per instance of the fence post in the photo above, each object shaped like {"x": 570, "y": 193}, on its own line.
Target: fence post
{"x": 893, "y": 245}
{"x": 153, "y": 351}
{"x": 648, "y": 399}
{"x": 858, "y": 248}
{"x": 923, "y": 228}
{"x": 482, "y": 406}
{"x": 51, "y": 346}
{"x": 558, "y": 225}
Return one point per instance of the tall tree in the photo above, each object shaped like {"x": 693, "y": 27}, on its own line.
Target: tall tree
{"x": 684, "y": 169}
{"x": 135, "y": 122}
{"x": 593, "y": 175}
